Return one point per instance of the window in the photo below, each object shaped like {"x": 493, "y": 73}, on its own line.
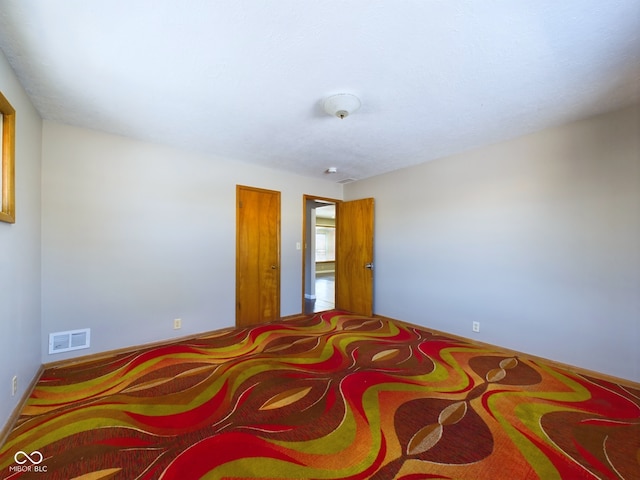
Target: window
{"x": 325, "y": 244}
{"x": 7, "y": 161}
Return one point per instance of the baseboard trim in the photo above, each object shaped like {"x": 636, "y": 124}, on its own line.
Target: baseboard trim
{"x": 297, "y": 316}
{"x": 161, "y": 343}
{"x": 15, "y": 414}
{"x": 527, "y": 356}
{"x": 119, "y": 351}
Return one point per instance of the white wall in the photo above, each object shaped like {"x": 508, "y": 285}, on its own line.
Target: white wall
{"x": 135, "y": 235}
{"x": 20, "y": 254}
{"x": 537, "y": 238}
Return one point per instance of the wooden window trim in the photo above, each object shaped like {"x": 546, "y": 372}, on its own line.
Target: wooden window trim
{"x": 7, "y": 161}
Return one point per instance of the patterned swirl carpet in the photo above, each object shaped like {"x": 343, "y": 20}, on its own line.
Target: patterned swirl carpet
{"x": 335, "y": 396}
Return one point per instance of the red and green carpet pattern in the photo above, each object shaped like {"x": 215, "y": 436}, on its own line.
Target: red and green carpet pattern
{"x": 335, "y": 396}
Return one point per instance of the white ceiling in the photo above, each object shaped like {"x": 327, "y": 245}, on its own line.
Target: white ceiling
{"x": 245, "y": 79}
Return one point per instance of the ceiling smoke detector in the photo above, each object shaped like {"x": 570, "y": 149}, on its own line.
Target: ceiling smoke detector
{"x": 341, "y": 105}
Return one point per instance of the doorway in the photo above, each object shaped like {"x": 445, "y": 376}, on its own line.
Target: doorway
{"x": 257, "y": 255}
{"x": 319, "y": 254}
{"x": 351, "y": 270}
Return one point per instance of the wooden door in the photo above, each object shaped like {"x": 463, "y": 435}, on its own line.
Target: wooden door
{"x": 354, "y": 256}
{"x": 257, "y": 255}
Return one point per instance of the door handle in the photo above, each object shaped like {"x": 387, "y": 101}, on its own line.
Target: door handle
{"x": 273, "y": 267}
{"x": 369, "y": 265}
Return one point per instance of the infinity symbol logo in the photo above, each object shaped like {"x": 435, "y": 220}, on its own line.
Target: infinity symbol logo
{"x": 31, "y": 458}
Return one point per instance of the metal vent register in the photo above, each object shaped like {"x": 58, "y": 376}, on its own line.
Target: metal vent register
{"x": 71, "y": 340}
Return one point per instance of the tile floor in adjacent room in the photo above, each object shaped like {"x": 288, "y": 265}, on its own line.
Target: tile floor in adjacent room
{"x": 325, "y": 295}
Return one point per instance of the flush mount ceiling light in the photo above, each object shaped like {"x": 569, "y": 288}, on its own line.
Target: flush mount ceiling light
{"x": 331, "y": 170}
{"x": 341, "y": 105}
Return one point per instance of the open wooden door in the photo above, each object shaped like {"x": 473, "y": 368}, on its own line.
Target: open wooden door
{"x": 354, "y": 256}
{"x": 257, "y": 255}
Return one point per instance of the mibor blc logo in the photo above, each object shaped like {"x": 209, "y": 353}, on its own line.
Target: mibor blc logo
{"x": 28, "y": 462}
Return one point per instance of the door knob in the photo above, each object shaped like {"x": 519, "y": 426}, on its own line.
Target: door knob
{"x": 273, "y": 267}
{"x": 369, "y": 265}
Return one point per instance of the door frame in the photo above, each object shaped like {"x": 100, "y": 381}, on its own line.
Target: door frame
{"x": 239, "y": 250}
{"x": 305, "y": 240}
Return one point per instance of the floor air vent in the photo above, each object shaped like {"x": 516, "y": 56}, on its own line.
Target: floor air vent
{"x": 67, "y": 341}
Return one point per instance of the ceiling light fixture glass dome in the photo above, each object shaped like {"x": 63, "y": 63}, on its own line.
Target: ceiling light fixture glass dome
{"x": 341, "y": 105}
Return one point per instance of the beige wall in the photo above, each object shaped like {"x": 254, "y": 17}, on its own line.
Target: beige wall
{"x": 135, "y": 235}
{"x": 537, "y": 238}
{"x": 20, "y": 253}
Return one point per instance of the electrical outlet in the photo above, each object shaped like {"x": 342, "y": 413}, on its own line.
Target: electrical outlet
{"x": 14, "y": 385}
{"x": 177, "y": 324}
{"x": 475, "y": 326}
